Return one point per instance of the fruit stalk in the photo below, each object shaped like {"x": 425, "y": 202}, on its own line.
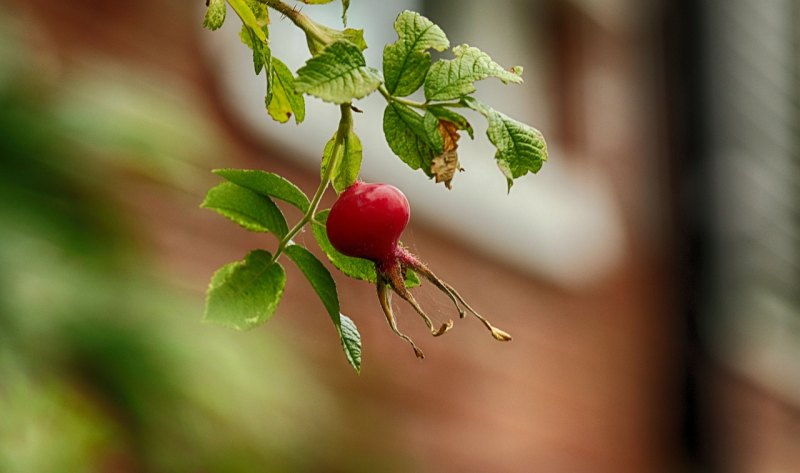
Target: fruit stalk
{"x": 345, "y": 123}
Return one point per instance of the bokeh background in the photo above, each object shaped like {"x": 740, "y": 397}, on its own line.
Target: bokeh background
{"x": 649, "y": 273}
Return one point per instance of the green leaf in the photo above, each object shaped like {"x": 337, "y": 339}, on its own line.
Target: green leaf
{"x": 325, "y": 287}
{"x": 325, "y": 34}
{"x": 319, "y": 277}
{"x": 520, "y": 148}
{"x": 411, "y": 279}
{"x": 355, "y": 36}
{"x": 316, "y": 2}
{"x": 444, "y": 113}
{"x": 347, "y": 167}
{"x": 266, "y": 184}
{"x": 453, "y": 78}
{"x": 248, "y": 18}
{"x": 405, "y": 81}
{"x": 255, "y": 35}
{"x": 254, "y": 212}
{"x": 338, "y": 75}
{"x": 406, "y": 61}
{"x": 356, "y": 268}
{"x": 347, "y": 162}
{"x": 222, "y": 275}
{"x": 430, "y": 123}
{"x": 261, "y": 13}
{"x": 262, "y": 56}
{"x": 351, "y": 341}
{"x": 419, "y": 33}
{"x": 245, "y": 294}
{"x": 407, "y": 137}
{"x": 215, "y": 14}
{"x": 284, "y": 100}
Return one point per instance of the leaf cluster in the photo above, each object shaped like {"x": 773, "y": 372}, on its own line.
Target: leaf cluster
{"x": 424, "y": 135}
{"x": 245, "y": 294}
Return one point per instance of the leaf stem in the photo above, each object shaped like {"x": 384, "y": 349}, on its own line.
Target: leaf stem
{"x": 299, "y": 19}
{"x": 345, "y": 124}
{"x": 411, "y": 103}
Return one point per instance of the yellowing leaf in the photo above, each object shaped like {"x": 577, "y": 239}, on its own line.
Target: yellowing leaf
{"x": 248, "y": 18}
{"x": 284, "y": 99}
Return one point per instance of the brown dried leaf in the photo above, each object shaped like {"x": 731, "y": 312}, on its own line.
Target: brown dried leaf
{"x": 449, "y": 132}
{"x": 444, "y": 166}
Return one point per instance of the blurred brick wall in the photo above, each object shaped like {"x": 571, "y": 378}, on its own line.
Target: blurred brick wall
{"x": 589, "y": 383}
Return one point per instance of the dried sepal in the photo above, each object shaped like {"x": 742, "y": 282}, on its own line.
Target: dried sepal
{"x": 390, "y": 279}
{"x": 385, "y": 298}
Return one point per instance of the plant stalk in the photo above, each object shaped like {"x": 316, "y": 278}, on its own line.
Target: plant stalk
{"x": 345, "y": 124}
{"x": 411, "y": 103}
{"x": 299, "y": 19}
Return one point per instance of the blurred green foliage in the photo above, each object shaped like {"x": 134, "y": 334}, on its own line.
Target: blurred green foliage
{"x": 103, "y": 365}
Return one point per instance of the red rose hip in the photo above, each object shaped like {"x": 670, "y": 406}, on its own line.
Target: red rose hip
{"x": 366, "y": 222}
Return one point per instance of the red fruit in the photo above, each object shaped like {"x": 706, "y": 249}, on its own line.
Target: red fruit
{"x": 366, "y": 222}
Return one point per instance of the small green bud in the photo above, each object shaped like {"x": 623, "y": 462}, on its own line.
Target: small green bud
{"x": 215, "y": 15}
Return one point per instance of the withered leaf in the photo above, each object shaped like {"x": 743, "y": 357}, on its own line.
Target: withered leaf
{"x": 444, "y": 166}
